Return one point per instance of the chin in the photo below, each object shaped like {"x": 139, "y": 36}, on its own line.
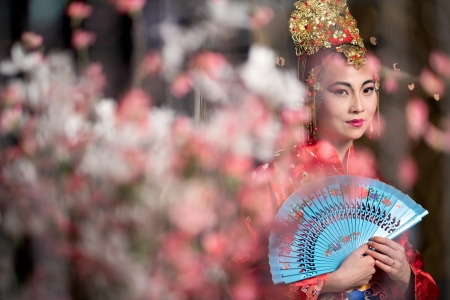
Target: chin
{"x": 355, "y": 135}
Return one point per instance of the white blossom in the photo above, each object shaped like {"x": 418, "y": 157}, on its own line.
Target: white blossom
{"x": 262, "y": 77}
{"x": 20, "y": 61}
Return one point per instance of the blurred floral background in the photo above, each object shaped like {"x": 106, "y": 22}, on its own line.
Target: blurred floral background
{"x": 129, "y": 130}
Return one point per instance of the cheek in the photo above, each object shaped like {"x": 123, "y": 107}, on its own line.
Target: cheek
{"x": 330, "y": 108}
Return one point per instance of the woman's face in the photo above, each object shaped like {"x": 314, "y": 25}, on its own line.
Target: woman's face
{"x": 349, "y": 100}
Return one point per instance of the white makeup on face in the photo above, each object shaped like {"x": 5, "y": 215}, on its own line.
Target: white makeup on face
{"x": 349, "y": 101}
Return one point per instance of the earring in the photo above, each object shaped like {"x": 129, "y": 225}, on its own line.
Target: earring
{"x": 377, "y": 89}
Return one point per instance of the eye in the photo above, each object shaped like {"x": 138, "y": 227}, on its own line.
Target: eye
{"x": 369, "y": 90}
{"x": 340, "y": 92}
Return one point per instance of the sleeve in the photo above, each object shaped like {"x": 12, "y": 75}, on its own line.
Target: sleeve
{"x": 424, "y": 286}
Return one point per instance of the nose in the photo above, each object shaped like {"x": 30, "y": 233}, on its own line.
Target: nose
{"x": 356, "y": 105}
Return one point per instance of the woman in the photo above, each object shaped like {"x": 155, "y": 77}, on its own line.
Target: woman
{"x": 343, "y": 98}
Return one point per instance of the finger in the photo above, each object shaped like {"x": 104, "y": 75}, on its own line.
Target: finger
{"x": 384, "y": 267}
{"x": 389, "y": 261}
{"x": 382, "y": 249}
{"x": 385, "y": 241}
{"x": 362, "y": 249}
{"x": 370, "y": 260}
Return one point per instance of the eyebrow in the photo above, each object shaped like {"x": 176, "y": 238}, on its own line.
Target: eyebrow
{"x": 349, "y": 85}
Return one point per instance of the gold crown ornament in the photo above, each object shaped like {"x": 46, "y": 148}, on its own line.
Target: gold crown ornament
{"x": 316, "y": 24}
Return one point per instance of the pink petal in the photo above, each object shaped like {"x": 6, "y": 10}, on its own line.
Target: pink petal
{"x": 437, "y": 139}
{"x": 390, "y": 85}
{"x": 440, "y": 63}
{"x": 261, "y": 18}
{"x": 181, "y": 86}
{"x": 31, "y": 40}
{"x": 211, "y": 63}
{"x": 417, "y": 117}
{"x": 431, "y": 83}
{"x": 374, "y": 62}
{"x": 407, "y": 172}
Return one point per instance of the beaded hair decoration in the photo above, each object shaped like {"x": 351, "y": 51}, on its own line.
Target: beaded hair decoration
{"x": 324, "y": 24}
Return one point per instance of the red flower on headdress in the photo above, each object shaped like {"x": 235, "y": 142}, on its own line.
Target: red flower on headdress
{"x": 339, "y": 41}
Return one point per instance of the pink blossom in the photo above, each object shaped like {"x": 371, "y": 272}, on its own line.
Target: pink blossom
{"x": 261, "y": 17}
{"x": 211, "y": 63}
{"x": 374, "y": 63}
{"x": 181, "y": 86}
{"x": 152, "y": 63}
{"x": 259, "y": 115}
{"x": 237, "y": 166}
{"x": 136, "y": 161}
{"x": 194, "y": 212}
{"x": 244, "y": 290}
{"x": 79, "y": 10}
{"x": 437, "y": 138}
{"x": 360, "y": 163}
{"x": 204, "y": 151}
{"x": 440, "y": 63}
{"x": 28, "y": 141}
{"x": 390, "y": 85}
{"x": 134, "y": 107}
{"x": 128, "y": 6}
{"x": 96, "y": 78}
{"x": 82, "y": 39}
{"x": 417, "y": 117}
{"x": 407, "y": 172}
{"x": 215, "y": 244}
{"x": 431, "y": 83}
{"x": 10, "y": 119}
{"x": 31, "y": 40}
{"x": 12, "y": 94}
{"x": 182, "y": 128}
{"x": 293, "y": 117}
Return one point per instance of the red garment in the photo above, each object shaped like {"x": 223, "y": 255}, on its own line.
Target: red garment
{"x": 274, "y": 182}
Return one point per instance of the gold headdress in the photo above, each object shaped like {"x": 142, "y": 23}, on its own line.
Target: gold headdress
{"x": 316, "y": 24}
{"x": 324, "y": 24}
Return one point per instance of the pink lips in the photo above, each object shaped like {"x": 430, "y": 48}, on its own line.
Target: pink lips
{"x": 356, "y": 122}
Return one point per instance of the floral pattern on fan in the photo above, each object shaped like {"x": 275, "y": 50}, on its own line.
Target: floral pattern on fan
{"x": 342, "y": 240}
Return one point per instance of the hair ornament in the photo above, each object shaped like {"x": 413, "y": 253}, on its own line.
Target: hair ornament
{"x": 324, "y": 24}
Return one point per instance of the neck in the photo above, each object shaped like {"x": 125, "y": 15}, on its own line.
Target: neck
{"x": 342, "y": 147}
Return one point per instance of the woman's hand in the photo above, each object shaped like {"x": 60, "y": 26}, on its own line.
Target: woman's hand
{"x": 390, "y": 257}
{"x": 354, "y": 271}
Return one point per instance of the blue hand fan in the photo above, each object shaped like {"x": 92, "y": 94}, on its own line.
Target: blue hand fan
{"x": 324, "y": 221}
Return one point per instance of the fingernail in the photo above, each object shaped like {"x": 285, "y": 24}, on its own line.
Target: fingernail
{"x": 372, "y": 248}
